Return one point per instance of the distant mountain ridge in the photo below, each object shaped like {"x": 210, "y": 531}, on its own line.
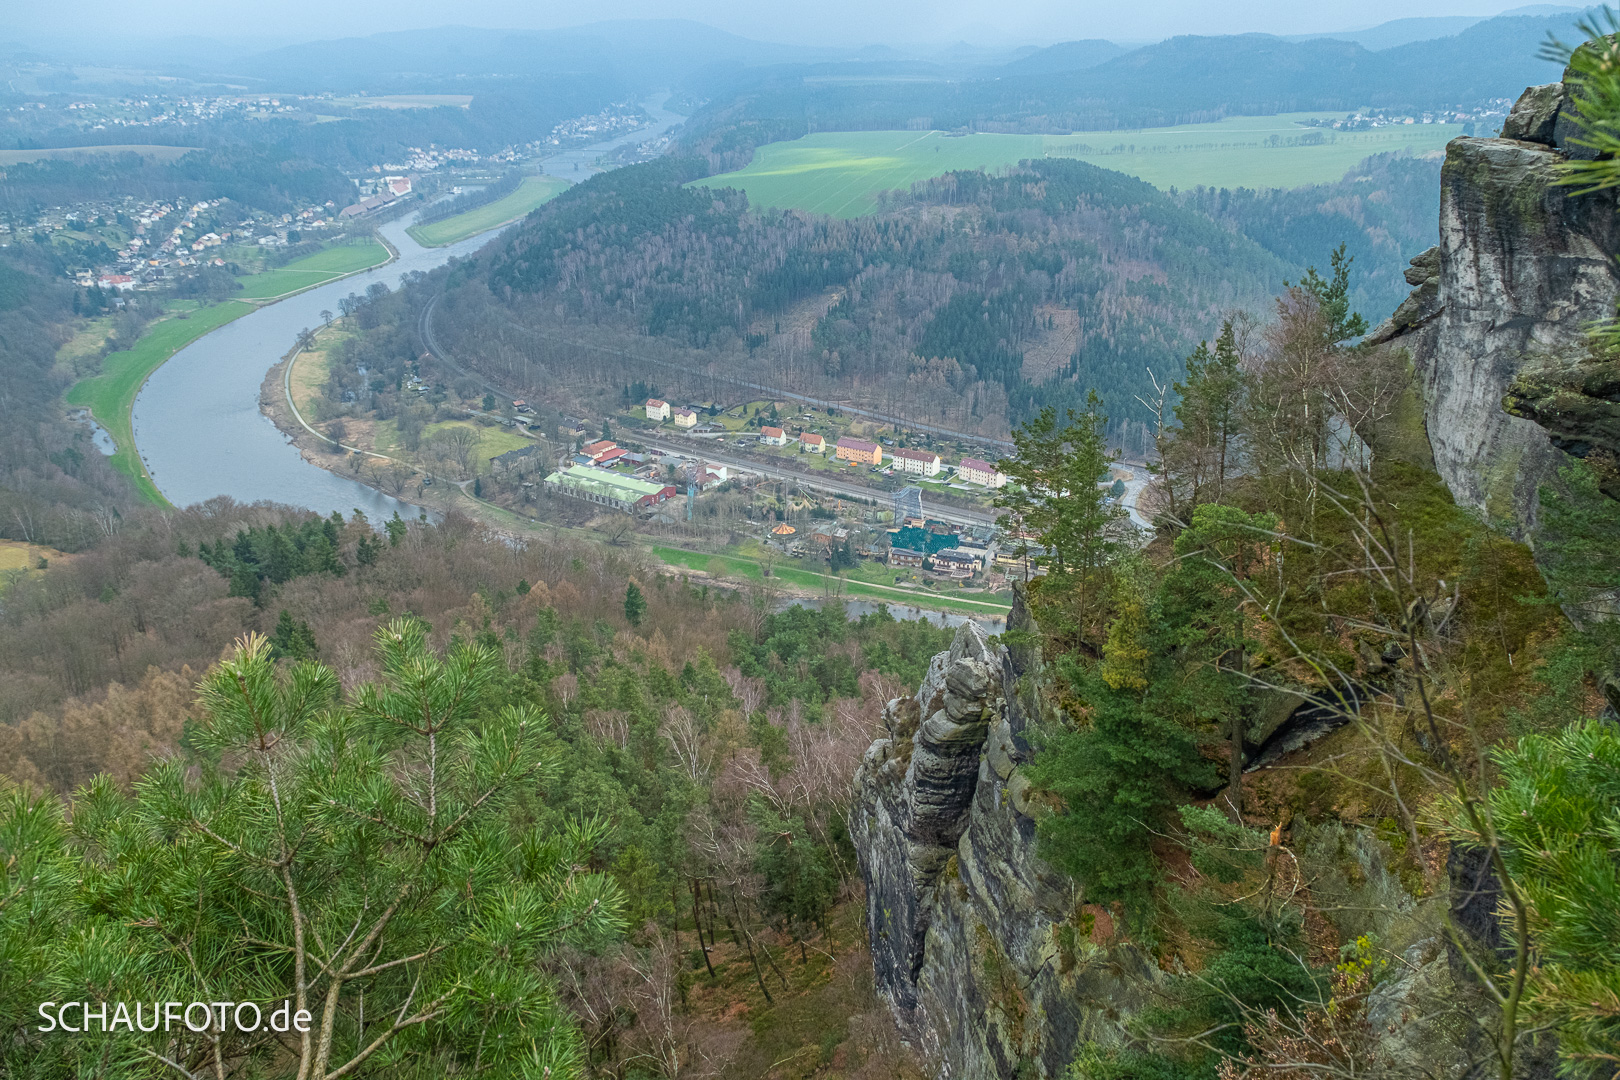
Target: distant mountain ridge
{"x": 1400, "y": 31}
{"x": 1065, "y": 56}
{"x": 1185, "y": 79}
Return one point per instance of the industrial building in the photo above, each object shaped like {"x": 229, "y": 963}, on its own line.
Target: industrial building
{"x": 621, "y": 492}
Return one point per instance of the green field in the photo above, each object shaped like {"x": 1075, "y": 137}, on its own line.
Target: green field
{"x": 111, "y": 395}
{"x": 534, "y": 191}
{"x": 314, "y": 269}
{"x": 841, "y": 173}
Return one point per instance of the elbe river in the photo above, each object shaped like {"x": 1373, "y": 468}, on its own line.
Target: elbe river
{"x": 197, "y": 421}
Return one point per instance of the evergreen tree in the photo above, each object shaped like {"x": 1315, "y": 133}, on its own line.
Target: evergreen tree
{"x": 1054, "y": 492}
{"x": 293, "y": 639}
{"x": 1340, "y": 324}
{"x": 635, "y": 605}
{"x": 1557, "y": 813}
{"x": 361, "y": 860}
{"x": 1197, "y": 456}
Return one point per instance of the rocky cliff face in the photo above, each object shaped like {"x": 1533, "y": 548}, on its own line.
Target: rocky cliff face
{"x": 988, "y": 959}
{"x": 993, "y": 965}
{"x": 1522, "y": 268}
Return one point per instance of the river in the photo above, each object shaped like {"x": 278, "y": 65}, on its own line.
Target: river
{"x": 197, "y": 420}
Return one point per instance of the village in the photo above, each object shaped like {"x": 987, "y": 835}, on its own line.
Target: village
{"x": 838, "y": 499}
{"x": 121, "y": 246}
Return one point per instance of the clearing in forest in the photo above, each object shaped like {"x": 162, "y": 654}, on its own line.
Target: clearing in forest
{"x": 841, "y": 172}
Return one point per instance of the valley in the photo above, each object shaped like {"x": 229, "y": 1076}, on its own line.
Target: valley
{"x": 910, "y": 542}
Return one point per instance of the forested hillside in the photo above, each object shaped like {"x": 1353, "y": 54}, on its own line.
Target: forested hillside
{"x": 1305, "y": 784}
{"x": 262, "y": 177}
{"x": 690, "y": 761}
{"x": 1383, "y": 211}
{"x": 55, "y": 487}
{"x": 970, "y": 302}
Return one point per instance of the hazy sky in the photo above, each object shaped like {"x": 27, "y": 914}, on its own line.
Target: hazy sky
{"x": 823, "y": 22}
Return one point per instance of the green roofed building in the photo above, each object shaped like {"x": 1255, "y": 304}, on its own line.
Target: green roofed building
{"x": 609, "y": 489}
{"x": 924, "y": 541}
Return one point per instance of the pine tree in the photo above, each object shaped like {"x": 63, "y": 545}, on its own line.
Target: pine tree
{"x": 1197, "y": 455}
{"x": 360, "y": 860}
{"x": 1054, "y": 492}
{"x": 635, "y": 605}
{"x": 1333, "y": 293}
{"x": 1557, "y": 814}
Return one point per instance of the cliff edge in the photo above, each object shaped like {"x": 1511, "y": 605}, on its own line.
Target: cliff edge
{"x": 1524, "y": 266}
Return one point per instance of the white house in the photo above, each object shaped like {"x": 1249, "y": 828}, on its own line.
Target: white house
{"x": 917, "y": 462}
{"x": 773, "y": 436}
{"x": 657, "y": 410}
{"x": 811, "y": 443}
{"x": 975, "y": 471}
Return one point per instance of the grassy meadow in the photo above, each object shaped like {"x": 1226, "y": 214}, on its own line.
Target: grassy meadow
{"x": 534, "y": 191}
{"x": 110, "y": 395}
{"x": 315, "y": 269}
{"x": 841, "y": 173}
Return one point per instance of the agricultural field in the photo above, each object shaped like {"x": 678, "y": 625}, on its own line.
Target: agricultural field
{"x": 842, "y": 173}
{"x": 110, "y": 395}
{"x": 315, "y": 269}
{"x": 534, "y": 191}
{"x": 156, "y": 153}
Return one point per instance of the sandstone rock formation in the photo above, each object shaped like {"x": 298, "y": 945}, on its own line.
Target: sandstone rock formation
{"x": 984, "y": 953}
{"x": 1523, "y": 267}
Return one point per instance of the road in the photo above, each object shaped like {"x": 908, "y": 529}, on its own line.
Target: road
{"x": 1134, "y": 488}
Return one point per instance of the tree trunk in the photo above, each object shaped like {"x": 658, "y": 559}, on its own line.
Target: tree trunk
{"x": 697, "y": 921}
{"x": 752, "y": 959}
{"x": 1234, "y": 777}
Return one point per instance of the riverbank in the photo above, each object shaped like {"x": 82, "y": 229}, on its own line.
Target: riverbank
{"x": 110, "y": 394}
{"x": 534, "y": 191}
{"x": 316, "y": 269}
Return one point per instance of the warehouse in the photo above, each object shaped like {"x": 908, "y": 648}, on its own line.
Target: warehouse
{"x": 608, "y": 489}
